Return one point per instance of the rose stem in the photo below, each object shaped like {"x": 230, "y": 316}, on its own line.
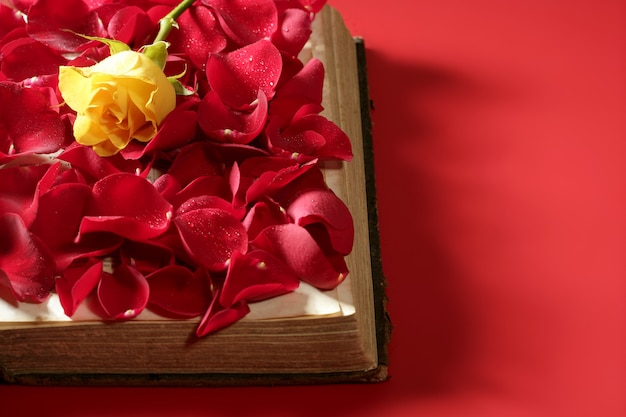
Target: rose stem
{"x": 168, "y": 21}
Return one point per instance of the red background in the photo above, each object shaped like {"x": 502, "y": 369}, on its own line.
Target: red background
{"x": 500, "y": 147}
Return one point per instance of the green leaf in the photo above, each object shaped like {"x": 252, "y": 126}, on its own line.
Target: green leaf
{"x": 157, "y": 52}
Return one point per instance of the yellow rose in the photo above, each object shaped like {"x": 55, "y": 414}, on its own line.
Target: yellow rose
{"x": 125, "y": 96}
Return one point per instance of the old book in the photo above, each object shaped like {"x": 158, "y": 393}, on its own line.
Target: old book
{"x": 347, "y": 345}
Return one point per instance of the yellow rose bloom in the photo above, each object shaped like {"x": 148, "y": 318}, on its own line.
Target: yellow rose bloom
{"x": 125, "y": 96}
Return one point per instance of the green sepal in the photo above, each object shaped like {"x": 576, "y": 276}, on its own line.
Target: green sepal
{"x": 114, "y": 46}
{"x": 157, "y": 52}
{"x": 180, "y": 89}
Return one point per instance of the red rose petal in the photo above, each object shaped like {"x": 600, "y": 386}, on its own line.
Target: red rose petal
{"x": 178, "y": 291}
{"x": 124, "y": 293}
{"x": 146, "y": 257}
{"x": 238, "y": 76}
{"x": 57, "y": 23}
{"x": 24, "y": 260}
{"x": 76, "y": 284}
{"x": 25, "y": 58}
{"x": 246, "y": 21}
{"x": 128, "y": 206}
{"x": 211, "y": 202}
{"x": 217, "y": 317}
{"x": 323, "y": 206}
{"x": 198, "y": 35}
{"x": 94, "y": 167}
{"x": 130, "y": 23}
{"x": 224, "y": 124}
{"x": 294, "y": 30}
{"x": 210, "y": 236}
{"x": 262, "y": 215}
{"x": 256, "y": 276}
{"x": 297, "y": 248}
{"x": 196, "y": 160}
{"x": 313, "y": 136}
{"x": 22, "y": 132}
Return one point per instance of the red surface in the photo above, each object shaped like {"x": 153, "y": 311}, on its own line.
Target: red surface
{"x": 500, "y": 145}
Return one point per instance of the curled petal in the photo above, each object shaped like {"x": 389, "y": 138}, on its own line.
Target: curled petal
{"x": 210, "y": 202}
{"x": 25, "y": 58}
{"x": 94, "y": 167}
{"x": 24, "y": 260}
{"x": 58, "y": 218}
{"x": 178, "y": 129}
{"x": 124, "y": 293}
{"x": 210, "y": 236}
{"x": 29, "y": 122}
{"x": 238, "y": 76}
{"x": 271, "y": 182}
{"x": 55, "y": 24}
{"x": 301, "y": 94}
{"x": 224, "y": 124}
{"x": 195, "y": 160}
{"x": 294, "y": 30}
{"x": 198, "y": 35}
{"x": 18, "y": 190}
{"x": 128, "y": 206}
{"x": 146, "y": 257}
{"x": 312, "y": 136}
{"x": 217, "y": 317}
{"x": 128, "y": 24}
{"x": 256, "y": 276}
{"x": 178, "y": 291}
{"x": 296, "y": 247}
{"x": 262, "y": 215}
{"x": 324, "y": 207}
{"x": 246, "y": 21}
{"x": 76, "y": 284}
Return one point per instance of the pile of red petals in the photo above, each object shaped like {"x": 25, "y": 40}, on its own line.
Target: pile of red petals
{"x": 226, "y": 206}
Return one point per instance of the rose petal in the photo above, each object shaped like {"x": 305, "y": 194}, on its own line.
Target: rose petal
{"x": 224, "y": 124}
{"x": 94, "y": 167}
{"x": 297, "y": 248}
{"x": 262, "y": 215}
{"x": 22, "y": 132}
{"x": 24, "y": 260}
{"x": 210, "y": 202}
{"x": 25, "y": 58}
{"x": 128, "y": 206}
{"x": 246, "y": 21}
{"x": 178, "y": 291}
{"x": 130, "y": 24}
{"x": 217, "y": 317}
{"x": 238, "y": 76}
{"x": 256, "y": 276}
{"x": 18, "y": 190}
{"x": 294, "y": 30}
{"x": 146, "y": 257}
{"x": 124, "y": 293}
{"x": 196, "y": 160}
{"x": 198, "y": 35}
{"x": 210, "y": 236}
{"x": 57, "y": 23}
{"x": 324, "y": 207}
{"x": 213, "y": 185}
{"x": 313, "y": 136}
{"x": 76, "y": 284}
